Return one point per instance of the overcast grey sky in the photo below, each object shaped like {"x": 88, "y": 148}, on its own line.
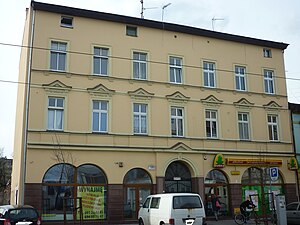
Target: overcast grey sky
{"x": 276, "y": 20}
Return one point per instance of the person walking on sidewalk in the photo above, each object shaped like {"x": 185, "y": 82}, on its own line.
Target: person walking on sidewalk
{"x": 215, "y": 202}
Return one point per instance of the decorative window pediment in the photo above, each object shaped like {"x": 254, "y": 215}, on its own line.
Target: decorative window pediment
{"x": 272, "y": 106}
{"x": 177, "y": 97}
{"x": 211, "y": 101}
{"x": 243, "y": 103}
{"x": 140, "y": 94}
{"x": 180, "y": 147}
{"x": 100, "y": 90}
{"x": 57, "y": 87}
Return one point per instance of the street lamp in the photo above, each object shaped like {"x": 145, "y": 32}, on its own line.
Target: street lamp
{"x": 162, "y": 13}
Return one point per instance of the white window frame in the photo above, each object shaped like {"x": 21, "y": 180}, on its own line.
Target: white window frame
{"x": 141, "y": 117}
{"x": 67, "y": 19}
{"x": 140, "y": 63}
{"x": 267, "y": 53}
{"x": 57, "y": 110}
{"x": 243, "y": 126}
{"x": 269, "y": 81}
{"x": 209, "y": 74}
{"x": 101, "y": 57}
{"x": 177, "y": 119}
{"x": 240, "y": 78}
{"x": 273, "y": 128}
{"x": 176, "y": 69}
{"x": 211, "y": 122}
{"x": 59, "y": 52}
{"x": 100, "y": 112}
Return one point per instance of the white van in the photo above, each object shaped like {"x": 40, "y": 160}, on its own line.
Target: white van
{"x": 172, "y": 208}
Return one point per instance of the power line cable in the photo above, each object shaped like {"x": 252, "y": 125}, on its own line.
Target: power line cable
{"x": 149, "y": 61}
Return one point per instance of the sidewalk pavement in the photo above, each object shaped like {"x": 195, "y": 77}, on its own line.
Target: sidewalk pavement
{"x": 221, "y": 222}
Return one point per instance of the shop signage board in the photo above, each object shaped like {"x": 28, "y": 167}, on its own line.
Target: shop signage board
{"x": 219, "y": 161}
{"x": 256, "y": 162}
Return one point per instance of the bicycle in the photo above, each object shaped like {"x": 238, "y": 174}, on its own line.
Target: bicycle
{"x": 241, "y": 219}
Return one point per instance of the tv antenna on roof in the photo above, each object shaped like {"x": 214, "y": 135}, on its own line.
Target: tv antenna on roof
{"x": 213, "y": 22}
{"x": 162, "y": 11}
{"x": 143, "y": 9}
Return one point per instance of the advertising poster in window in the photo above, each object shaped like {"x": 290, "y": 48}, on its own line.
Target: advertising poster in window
{"x": 92, "y": 202}
{"x": 254, "y": 192}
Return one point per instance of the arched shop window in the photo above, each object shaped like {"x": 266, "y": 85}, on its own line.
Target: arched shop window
{"x": 216, "y": 183}
{"x": 137, "y": 186}
{"x": 257, "y": 185}
{"x": 178, "y": 178}
{"x": 63, "y": 183}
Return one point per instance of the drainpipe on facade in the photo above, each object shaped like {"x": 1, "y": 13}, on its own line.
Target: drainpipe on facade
{"x": 23, "y": 167}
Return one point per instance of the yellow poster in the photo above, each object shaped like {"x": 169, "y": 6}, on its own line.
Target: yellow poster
{"x": 92, "y": 202}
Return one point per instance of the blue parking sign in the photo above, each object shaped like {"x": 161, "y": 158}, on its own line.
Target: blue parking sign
{"x": 274, "y": 173}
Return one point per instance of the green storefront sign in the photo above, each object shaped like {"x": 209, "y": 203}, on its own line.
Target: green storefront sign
{"x": 92, "y": 202}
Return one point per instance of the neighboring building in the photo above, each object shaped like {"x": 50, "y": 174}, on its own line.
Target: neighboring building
{"x": 295, "y": 111}
{"x": 118, "y": 107}
{"x": 5, "y": 178}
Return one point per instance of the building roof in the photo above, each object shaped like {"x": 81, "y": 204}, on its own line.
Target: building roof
{"x": 154, "y": 24}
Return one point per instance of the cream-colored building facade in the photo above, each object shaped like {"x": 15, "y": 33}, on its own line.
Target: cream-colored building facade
{"x": 112, "y": 108}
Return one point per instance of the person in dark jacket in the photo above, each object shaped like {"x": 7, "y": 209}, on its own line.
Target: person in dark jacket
{"x": 216, "y": 205}
{"x": 245, "y": 207}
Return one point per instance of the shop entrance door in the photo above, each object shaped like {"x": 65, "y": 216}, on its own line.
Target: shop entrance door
{"x": 135, "y": 196}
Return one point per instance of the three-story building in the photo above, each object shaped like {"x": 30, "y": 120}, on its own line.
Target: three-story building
{"x": 112, "y": 108}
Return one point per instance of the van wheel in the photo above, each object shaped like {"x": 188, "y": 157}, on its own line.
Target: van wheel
{"x": 141, "y": 222}
{"x": 162, "y": 223}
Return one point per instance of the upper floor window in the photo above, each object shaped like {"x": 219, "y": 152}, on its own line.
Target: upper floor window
{"x": 55, "y": 113}
{"x": 269, "y": 81}
{"x": 101, "y": 61}
{"x": 209, "y": 74}
{"x": 240, "y": 78}
{"x": 273, "y": 127}
{"x": 175, "y": 70}
{"x": 177, "y": 121}
{"x": 140, "y": 65}
{"x": 100, "y": 116}
{"x": 66, "y": 21}
{"x": 243, "y": 122}
{"x": 58, "y": 55}
{"x": 267, "y": 53}
{"x": 139, "y": 118}
{"x": 211, "y": 123}
{"x": 131, "y": 31}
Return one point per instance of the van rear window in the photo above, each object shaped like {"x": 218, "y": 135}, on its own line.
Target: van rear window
{"x": 186, "y": 202}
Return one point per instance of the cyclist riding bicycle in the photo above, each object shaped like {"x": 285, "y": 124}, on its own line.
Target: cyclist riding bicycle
{"x": 246, "y": 207}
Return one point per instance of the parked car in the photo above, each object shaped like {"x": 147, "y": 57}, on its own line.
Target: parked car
{"x": 172, "y": 208}
{"x": 293, "y": 213}
{"x": 12, "y": 215}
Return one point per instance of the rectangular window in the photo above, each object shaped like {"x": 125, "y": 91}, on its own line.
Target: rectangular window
{"x": 175, "y": 70}
{"x": 177, "y": 121}
{"x": 131, "y": 31}
{"x": 273, "y": 127}
{"x": 55, "y": 113}
{"x": 240, "y": 78}
{"x": 211, "y": 123}
{"x": 58, "y": 55}
{"x": 243, "y": 122}
{"x": 269, "y": 81}
{"x": 209, "y": 74}
{"x": 100, "y": 116}
{"x": 155, "y": 203}
{"x": 101, "y": 61}
{"x": 139, "y": 65}
{"x": 267, "y": 53}
{"x": 139, "y": 118}
{"x": 66, "y": 21}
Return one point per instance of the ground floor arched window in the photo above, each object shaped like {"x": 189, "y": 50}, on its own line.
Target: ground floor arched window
{"x": 178, "y": 178}
{"x": 137, "y": 185}
{"x": 257, "y": 185}
{"x": 216, "y": 183}
{"x": 63, "y": 184}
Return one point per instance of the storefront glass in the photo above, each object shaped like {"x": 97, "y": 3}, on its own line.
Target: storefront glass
{"x": 63, "y": 185}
